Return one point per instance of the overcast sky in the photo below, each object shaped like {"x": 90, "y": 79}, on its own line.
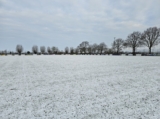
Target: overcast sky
{"x": 64, "y": 23}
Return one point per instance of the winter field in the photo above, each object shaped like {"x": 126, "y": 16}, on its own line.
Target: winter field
{"x": 79, "y": 87}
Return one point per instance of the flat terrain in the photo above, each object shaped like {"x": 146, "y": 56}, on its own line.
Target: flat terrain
{"x": 79, "y": 87}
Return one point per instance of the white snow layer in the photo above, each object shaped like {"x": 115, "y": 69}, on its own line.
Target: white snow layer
{"x": 79, "y": 87}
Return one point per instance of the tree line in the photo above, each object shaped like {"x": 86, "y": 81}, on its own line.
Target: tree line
{"x": 149, "y": 38}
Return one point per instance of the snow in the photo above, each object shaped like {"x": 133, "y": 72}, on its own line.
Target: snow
{"x": 76, "y": 87}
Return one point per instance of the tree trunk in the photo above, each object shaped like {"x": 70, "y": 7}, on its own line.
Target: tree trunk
{"x": 19, "y": 53}
{"x": 117, "y": 52}
{"x": 134, "y": 51}
{"x": 149, "y": 50}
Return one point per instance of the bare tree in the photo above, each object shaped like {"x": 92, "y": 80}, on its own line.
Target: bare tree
{"x": 150, "y": 37}
{"x": 80, "y": 49}
{"x": 94, "y": 48}
{"x": 43, "y": 49}
{"x": 49, "y": 50}
{"x": 102, "y": 46}
{"x": 66, "y": 50}
{"x": 110, "y": 51}
{"x": 83, "y": 46}
{"x": 90, "y": 49}
{"x": 2, "y": 52}
{"x": 5, "y": 52}
{"x": 19, "y": 49}
{"x": 35, "y": 49}
{"x": 117, "y": 45}
{"x": 61, "y": 52}
{"x": 76, "y": 50}
{"x": 71, "y": 50}
{"x": 55, "y": 50}
{"x": 133, "y": 40}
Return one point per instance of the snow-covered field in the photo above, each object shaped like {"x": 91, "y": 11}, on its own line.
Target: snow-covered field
{"x": 79, "y": 87}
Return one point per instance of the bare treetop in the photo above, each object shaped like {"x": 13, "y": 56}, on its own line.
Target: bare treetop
{"x": 150, "y": 37}
{"x": 133, "y": 41}
{"x": 117, "y": 45}
{"x": 83, "y": 46}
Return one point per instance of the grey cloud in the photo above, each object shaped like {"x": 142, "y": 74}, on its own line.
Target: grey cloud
{"x": 92, "y": 20}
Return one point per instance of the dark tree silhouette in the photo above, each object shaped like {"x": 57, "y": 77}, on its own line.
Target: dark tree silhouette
{"x": 80, "y": 49}
{"x": 49, "y": 50}
{"x": 110, "y": 51}
{"x": 71, "y": 50}
{"x": 5, "y": 52}
{"x": 19, "y": 49}
{"x": 133, "y": 40}
{"x": 28, "y": 52}
{"x": 66, "y": 50}
{"x": 76, "y": 50}
{"x": 117, "y": 45}
{"x": 55, "y": 50}
{"x": 83, "y": 46}
{"x": 94, "y": 48}
{"x": 35, "y": 49}
{"x": 42, "y": 49}
{"x": 90, "y": 49}
{"x": 102, "y": 47}
{"x": 150, "y": 37}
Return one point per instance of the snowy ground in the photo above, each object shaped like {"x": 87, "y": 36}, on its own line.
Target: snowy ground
{"x": 79, "y": 87}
